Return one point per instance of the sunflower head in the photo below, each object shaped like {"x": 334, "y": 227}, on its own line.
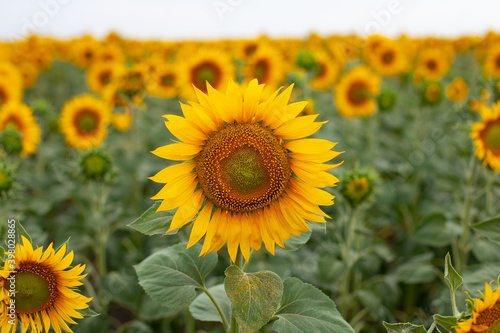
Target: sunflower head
{"x": 457, "y": 90}
{"x": 485, "y": 314}
{"x": 45, "y": 288}
{"x": 487, "y": 136}
{"x": 249, "y": 176}
{"x": 357, "y": 185}
{"x": 95, "y": 164}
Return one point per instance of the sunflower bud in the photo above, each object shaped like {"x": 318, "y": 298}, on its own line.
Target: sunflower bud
{"x": 386, "y": 100}
{"x": 306, "y": 60}
{"x": 11, "y": 141}
{"x": 95, "y": 164}
{"x": 357, "y": 186}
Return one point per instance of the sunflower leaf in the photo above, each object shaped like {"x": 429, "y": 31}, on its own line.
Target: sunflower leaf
{"x": 202, "y": 308}
{"x": 446, "y": 322}
{"x": 88, "y": 313}
{"x": 20, "y": 231}
{"x": 154, "y": 223}
{"x": 451, "y": 276}
{"x": 295, "y": 242}
{"x": 171, "y": 276}
{"x": 304, "y": 308}
{"x": 404, "y": 328}
{"x": 254, "y": 297}
{"x": 489, "y": 229}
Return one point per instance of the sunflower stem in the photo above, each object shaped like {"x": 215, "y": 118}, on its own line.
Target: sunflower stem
{"x": 433, "y": 326}
{"x": 235, "y": 328}
{"x": 349, "y": 229}
{"x": 217, "y": 306}
{"x": 190, "y": 323}
{"x": 463, "y": 249}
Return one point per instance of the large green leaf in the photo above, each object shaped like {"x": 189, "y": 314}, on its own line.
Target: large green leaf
{"x": 305, "y": 309}
{"x": 404, "y": 328}
{"x": 170, "y": 276}
{"x": 446, "y": 322}
{"x": 202, "y": 308}
{"x": 255, "y": 297}
{"x": 489, "y": 229}
{"x": 154, "y": 223}
{"x": 476, "y": 275}
{"x": 295, "y": 242}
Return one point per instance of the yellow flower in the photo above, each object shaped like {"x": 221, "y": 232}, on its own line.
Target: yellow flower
{"x": 491, "y": 63}
{"x": 327, "y": 72}
{"x": 11, "y": 83}
{"x": 245, "y": 175}
{"x": 121, "y": 121}
{"x": 457, "y": 90}
{"x": 20, "y": 117}
{"x": 84, "y": 121}
{"x": 46, "y": 294}
{"x": 433, "y": 63}
{"x": 164, "y": 81}
{"x": 354, "y": 94}
{"x": 485, "y": 314}
{"x": 487, "y": 136}
{"x": 267, "y": 66}
{"x": 207, "y": 65}
{"x": 389, "y": 59}
{"x": 102, "y": 74}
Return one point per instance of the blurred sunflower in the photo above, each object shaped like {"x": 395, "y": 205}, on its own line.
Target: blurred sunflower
{"x": 328, "y": 70}
{"x": 267, "y": 66}
{"x": 19, "y": 117}
{"x": 487, "y": 136}
{"x": 84, "y": 51}
{"x": 121, "y": 121}
{"x": 389, "y": 59}
{"x": 432, "y": 93}
{"x": 207, "y": 65}
{"x": 164, "y": 81}
{"x": 11, "y": 83}
{"x": 491, "y": 63}
{"x": 433, "y": 64}
{"x": 485, "y": 315}
{"x": 84, "y": 121}
{"x": 102, "y": 74}
{"x": 246, "y": 176}
{"x": 356, "y": 91}
{"x": 46, "y": 294}
{"x": 457, "y": 90}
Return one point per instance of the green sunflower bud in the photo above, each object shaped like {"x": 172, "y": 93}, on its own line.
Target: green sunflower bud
{"x": 386, "y": 100}
{"x": 95, "y": 164}
{"x": 11, "y": 141}
{"x": 357, "y": 186}
{"x": 306, "y": 60}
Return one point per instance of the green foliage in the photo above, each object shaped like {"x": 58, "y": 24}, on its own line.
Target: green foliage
{"x": 254, "y": 296}
{"x": 305, "y": 308}
{"x": 154, "y": 223}
{"x": 489, "y": 229}
{"x": 452, "y": 278}
{"x": 172, "y": 275}
{"x": 202, "y": 307}
{"x": 404, "y": 328}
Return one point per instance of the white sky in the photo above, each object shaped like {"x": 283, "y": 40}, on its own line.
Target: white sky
{"x": 216, "y": 19}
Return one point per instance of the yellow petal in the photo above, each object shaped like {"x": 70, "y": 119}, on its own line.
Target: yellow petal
{"x": 187, "y": 211}
{"x": 200, "y": 225}
{"x": 177, "y": 151}
{"x": 172, "y": 172}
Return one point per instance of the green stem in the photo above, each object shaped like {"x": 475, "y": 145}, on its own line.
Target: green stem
{"x": 349, "y": 229}
{"x": 235, "y": 328}
{"x": 431, "y": 329}
{"x": 190, "y": 324}
{"x": 217, "y": 306}
{"x": 456, "y": 313}
{"x": 466, "y": 216}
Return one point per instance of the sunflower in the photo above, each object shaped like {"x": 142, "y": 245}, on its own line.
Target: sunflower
{"x": 267, "y": 66}
{"x": 208, "y": 65}
{"x": 487, "y": 136}
{"x": 121, "y": 121}
{"x": 485, "y": 315}
{"x": 457, "y": 90}
{"x": 389, "y": 59}
{"x": 84, "y": 121}
{"x": 432, "y": 93}
{"x": 164, "y": 81}
{"x": 433, "y": 63}
{"x": 101, "y": 74}
{"x": 19, "y": 117}
{"x": 245, "y": 175}
{"x": 11, "y": 83}
{"x": 84, "y": 51}
{"x": 491, "y": 63}
{"x": 354, "y": 94}
{"x": 45, "y": 289}
{"x": 327, "y": 71}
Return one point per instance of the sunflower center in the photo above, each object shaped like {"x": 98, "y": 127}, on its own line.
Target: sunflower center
{"x": 357, "y": 93}
{"x": 432, "y": 65}
{"x": 105, "y": 77}
{"x": 167, "y": 80}
{"x": 36, "y": 288}
{"x": 250, "y": 49}
{"x": 86, "y": 121}
{"x": 321, "y": 70}
{"x": 243, "y": 167}
{"x": 206, "y": 71}
{"x": 262, "y": 71}
{"x": 490, "y": 318}
{"x": 492, "y": 137}
{"x": 388, "y": 57}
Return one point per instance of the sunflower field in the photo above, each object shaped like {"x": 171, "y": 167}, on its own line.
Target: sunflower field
{"x": 332, "y": 184}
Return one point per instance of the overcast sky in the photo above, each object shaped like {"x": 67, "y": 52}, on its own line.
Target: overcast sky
{"x": 216, "y": 19}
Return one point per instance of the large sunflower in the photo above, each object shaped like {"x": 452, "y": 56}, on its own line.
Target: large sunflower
{"x": 354, "y": 94}
{"x": 245, "y": 176}
{"x": 487, "y": 136}
{"x": 485, "y": 314}
{"x": 84, "y": 121}
{"x": 45, "y": 289}
{"x": 208, "y": 65}
{"x": 20, "y": 117}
